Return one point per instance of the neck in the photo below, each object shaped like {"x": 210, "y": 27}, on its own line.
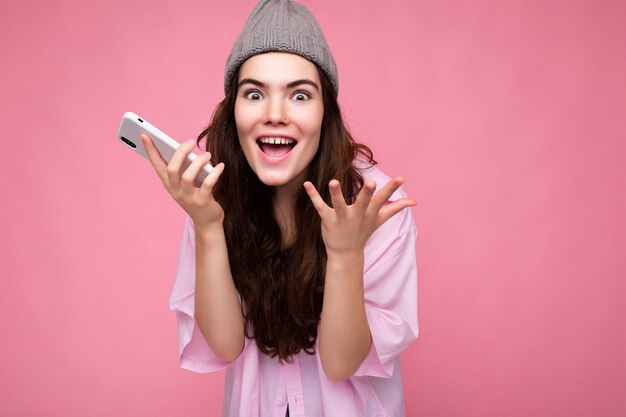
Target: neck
{"x": 283, "y": 209}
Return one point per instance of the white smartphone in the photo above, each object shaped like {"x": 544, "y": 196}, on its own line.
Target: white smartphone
{"x": 132, "y": 126}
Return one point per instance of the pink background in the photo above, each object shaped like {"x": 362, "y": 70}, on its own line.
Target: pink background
{"x": 507, "y": 118}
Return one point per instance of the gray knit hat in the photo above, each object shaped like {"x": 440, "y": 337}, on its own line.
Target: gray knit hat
{"x": 282, "y": 26}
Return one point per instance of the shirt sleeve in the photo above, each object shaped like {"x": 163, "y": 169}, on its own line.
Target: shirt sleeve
{"x": 195, "y": 353}
{"x": 390, "y": 288}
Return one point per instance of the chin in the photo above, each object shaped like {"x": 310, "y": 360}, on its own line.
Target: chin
{"x": 278, "y": 179}
{"x": 273, "y": 182}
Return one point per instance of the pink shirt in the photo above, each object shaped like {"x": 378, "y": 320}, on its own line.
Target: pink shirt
{"x": 257, "y": 385}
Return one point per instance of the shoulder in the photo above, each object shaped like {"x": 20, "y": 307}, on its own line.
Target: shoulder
{"x": 395, "y": 235}
{"x": 374, "y": 173}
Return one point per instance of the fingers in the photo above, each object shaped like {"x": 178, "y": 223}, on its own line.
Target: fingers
{"x": 386, "y": 211}
{"x": 385, "y": 193}
{"x": 173, "y": 168}
{"x": 365, "y": 195}
{"x": 190, "y": 174}
{"x": 316, "y": 198}
{"x": 366, "y": 201}
{"x": 391, "y": 209}
{"x": 339, "y": 203}
{"x": 154, "y": 156}
{"x": 209, "y": 182}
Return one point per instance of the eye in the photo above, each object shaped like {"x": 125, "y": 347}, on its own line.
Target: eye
{"x": 252, "y": 95}
{"x": 301, "y": 96}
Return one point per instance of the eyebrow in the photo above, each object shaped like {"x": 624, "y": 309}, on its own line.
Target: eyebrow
{"x": 290, "y": 85}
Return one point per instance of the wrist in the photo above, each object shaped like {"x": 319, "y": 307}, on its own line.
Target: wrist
{"x": 346, "y": 259}
{"x": 209, "y": 232}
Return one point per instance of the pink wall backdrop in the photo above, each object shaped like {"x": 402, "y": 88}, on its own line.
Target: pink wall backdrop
{"x": 507, "y": 118}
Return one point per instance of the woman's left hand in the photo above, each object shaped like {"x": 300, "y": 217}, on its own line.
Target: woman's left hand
{"x": 346, "y": 228}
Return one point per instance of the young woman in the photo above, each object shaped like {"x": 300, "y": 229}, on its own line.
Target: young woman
{"x": 297, "y": 265}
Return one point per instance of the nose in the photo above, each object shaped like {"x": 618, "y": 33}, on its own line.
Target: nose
{"x": 275, "y": 112}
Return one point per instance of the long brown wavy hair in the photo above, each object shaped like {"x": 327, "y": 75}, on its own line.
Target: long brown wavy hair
{"x": 281, "y": 291}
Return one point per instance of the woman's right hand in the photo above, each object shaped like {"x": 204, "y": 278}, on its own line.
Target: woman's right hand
{"x": 199, "y": 203}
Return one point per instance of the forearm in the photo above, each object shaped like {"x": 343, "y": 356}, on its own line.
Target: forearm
{"x": 217, "y": 307}
{"x": 345, "y": 338}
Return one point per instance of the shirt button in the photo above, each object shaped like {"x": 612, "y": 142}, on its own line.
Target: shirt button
{"x": 280, "y": 398}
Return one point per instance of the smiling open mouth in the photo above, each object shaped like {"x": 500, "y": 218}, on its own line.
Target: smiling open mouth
{"x": 276, "y": 146}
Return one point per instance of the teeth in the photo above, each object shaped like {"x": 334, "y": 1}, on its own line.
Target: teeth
{"x": 277, "y": 141}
